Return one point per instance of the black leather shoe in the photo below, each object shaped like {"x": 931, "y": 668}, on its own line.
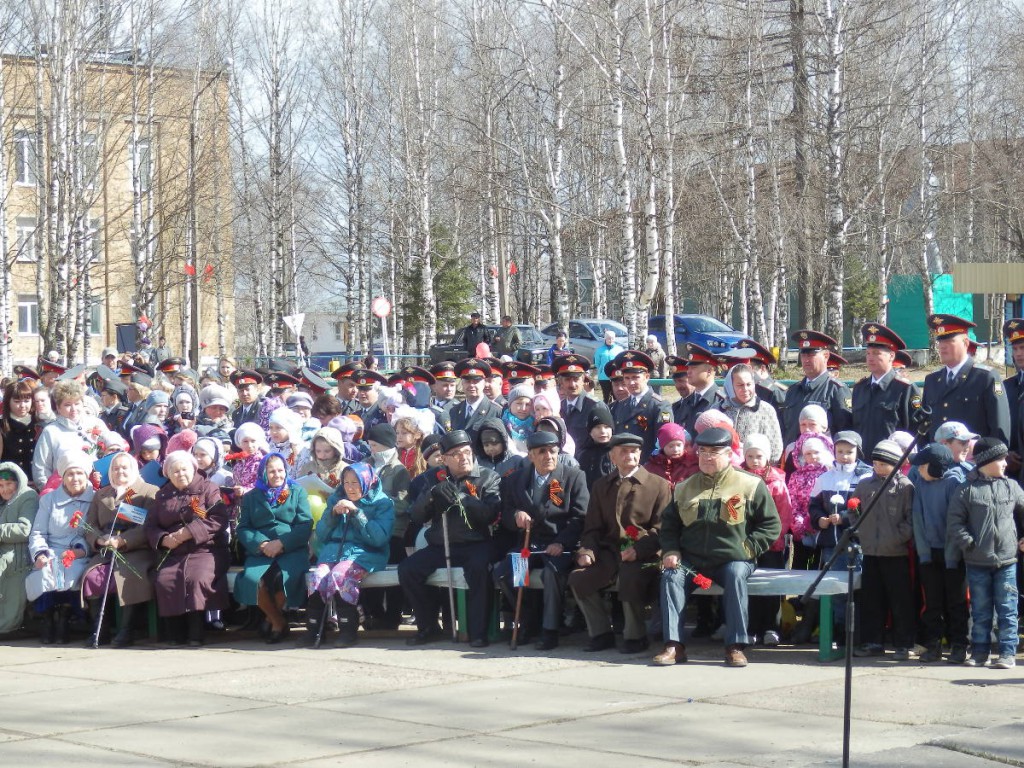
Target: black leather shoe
{"x": 479, "y": 642}
{"x": 600, "y": 643}
{"x": 424, "y": 636}
{"x": 278, "y": 635}
{"x": 548, "y": 640}
{"x": 638, "y": 645}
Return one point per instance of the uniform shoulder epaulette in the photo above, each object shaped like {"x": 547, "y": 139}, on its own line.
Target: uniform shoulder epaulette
{"x": 781, "y": 386}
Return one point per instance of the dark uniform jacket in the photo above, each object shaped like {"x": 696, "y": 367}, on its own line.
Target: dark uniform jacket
{"x": 880, "y": 410}
{"x": 371, "y": 416}
{"x": 774, "y": 394}
{"x": 975, "y": 398}
{"x": 1014, "y": 390}
{"x": 485, "y": 409}
{"x": 576, "y": 419}
{"x": 246, "y": 413}
{"x": 686, "y": 410}
{"x": 557, "y": 511}
{"x": 115, "y": 417}
{"x": 832, "y": 395}
{"x": 478, "y": 493}
{"x": 642, "y": 420}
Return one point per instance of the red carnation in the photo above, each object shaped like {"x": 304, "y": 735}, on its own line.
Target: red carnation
{"x": 96, "y": 479}
{"x": 702, "y": 581}
{"x": 76, "y": 520}
{"x": 67, "y": 558}
{"x": 853, "y": 503}
{"x": 525, "y": 554}
{"x": 632, "y": 532}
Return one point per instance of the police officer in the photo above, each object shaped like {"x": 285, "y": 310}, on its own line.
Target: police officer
{"x": 246, "y": 384}
{"x": 700, "y": 373}
{"x": 471, "y": 412}
{"x": 1013, "y": 332}
{"x": 370, "y": 412}
{"x": 444, "y": 386}
{"x": 882, "y": 403}
{"x": 765, "y": 387}
{"x": 675, "y": 368}
{"x": 963, "y": 390}
{"x": 641, "y": 412}
{"x": 576, "y": 406}
{"x": 817, "y": 387}
{"x": 517, "y": 372}
{"x": 346, "y": 388}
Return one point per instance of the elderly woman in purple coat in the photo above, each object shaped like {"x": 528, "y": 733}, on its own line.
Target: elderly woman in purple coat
{"x": 188, "y": 527}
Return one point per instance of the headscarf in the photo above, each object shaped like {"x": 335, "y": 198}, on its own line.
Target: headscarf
{"x": 289, "y": 421}
{"x": 366, "y": 475}
{"x": 273, "y": 495}
{"x": 73, "y": 458}
{"x": 133, "y": 467}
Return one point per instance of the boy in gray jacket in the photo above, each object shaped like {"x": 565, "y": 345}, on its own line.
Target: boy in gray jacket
{"x": 986, "y": 516}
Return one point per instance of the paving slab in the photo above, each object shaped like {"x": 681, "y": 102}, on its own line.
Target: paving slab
{"x": 292, "y": 680}
{"x": 1004, "y": 743}
{"x": 45, "y": 752}
{"x": 263, "y": 737}
{"x": 912, "y": 757}
{"x": 492, "y": 705}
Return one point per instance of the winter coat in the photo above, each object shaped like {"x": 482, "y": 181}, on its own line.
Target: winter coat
{"x": 775, "y": 479}
{"x": 930, "y": 514}
{"x": 716, "y": 519}
{"x": 16, "y": 518}
{"x": 756, "y": 418}
{"x": 290, "y": 522}
{"x": 52, "y": 533}
{"x": 673, "y": 470}
{"x": 886, "y": 531}
{"x": 132, "y": 588}
{"x": 364, "y": 537}
{"x": 477, "y": 493}
{"x": 986, "y": 518}
{"x": 58, "y": 435}
{"x": 840, "y": 480}
{"x": 506, "y": 462}
{"x": 557, "y": 511}
{"x": 19, "y": 442}
{"x": 594, "y": 460}
{"x": 394, "y": 481}
{"x": 615, "y": 504}
{"x": 193, "y": 576}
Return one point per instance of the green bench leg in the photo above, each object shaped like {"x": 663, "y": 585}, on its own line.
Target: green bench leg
{"x": 462, "y": 625}
{"x": 825, "y": 624}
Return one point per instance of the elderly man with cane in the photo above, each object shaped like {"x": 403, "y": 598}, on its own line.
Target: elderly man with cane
{"x": 548, "y": 500}
{"x": 719, "y": 522}
{"x": 461, "y": 504}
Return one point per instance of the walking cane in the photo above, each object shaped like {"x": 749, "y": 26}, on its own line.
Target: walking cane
{"x": 106, "y": 590}
{"x": 448, "y": 567}
{"x": 330, "y": 601}
{"x": 519, "y": 592}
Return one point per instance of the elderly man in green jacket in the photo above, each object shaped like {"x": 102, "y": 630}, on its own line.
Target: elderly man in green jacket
{"x": 719, "y": 522}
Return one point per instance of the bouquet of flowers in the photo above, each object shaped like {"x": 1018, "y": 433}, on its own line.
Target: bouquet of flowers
{"x": 78, "y": 521}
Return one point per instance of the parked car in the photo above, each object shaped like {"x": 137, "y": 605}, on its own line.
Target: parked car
{"x": 586, "y": 334}
{"x": 532, "y": 349}
{"x": 712, "y": 334}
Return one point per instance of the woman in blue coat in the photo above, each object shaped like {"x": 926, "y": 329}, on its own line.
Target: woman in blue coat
{"x": 274, "y": 530}
{"x": 353, "y": 537}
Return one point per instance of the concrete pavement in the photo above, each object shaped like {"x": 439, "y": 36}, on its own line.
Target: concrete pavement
{"x": 240, "y": 702}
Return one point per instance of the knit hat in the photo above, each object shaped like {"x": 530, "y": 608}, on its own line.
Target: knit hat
{"x": 887, "y": 451}
{"x": 148, "y": 436}
{"x": 712, "y": 417}
{"x": 814, "y": 412}
{"x": 178, "y": 457}
{"x": 289, "y": 421}
{"x": 759, "y": 442}
{"x": 249, "y": 430}
{"x": 600, "y": 414}
{"x": 987, "y": 450}
{"x": 109, "y": 440}
{"x": 382, "y": 433}
{"x": 346, "y": 427}
{"x": 299, "y": 400}
{"x": 521, "y": 390}
{"x": 672, "y": 431}
{"x": 937, "y": 457}
{"x": 156, "y": 397}
{"x": 71, "y": 459}
{"x": 183, "y": 441}
{"x": 903, "y": 440}
{"x": 215, "y": 394}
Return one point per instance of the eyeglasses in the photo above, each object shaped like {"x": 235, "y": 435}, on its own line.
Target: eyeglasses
{"x": 704, "y": 451}
{"x": 457, "y": 453}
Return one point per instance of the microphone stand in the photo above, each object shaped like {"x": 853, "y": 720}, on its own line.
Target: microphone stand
{"x": 849, "y": 546}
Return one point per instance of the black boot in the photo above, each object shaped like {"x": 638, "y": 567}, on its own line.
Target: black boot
{"x": 98, "y": 631}
{"x": 348, "y": 624}
{"x": 63, "y": 631}
{"x": 194, "y": 620}
{"x": 49, "y": 628}
{"x": 125, "y": 636}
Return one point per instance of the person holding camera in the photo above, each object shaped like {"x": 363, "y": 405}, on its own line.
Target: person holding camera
{"x": 469, "y": 496}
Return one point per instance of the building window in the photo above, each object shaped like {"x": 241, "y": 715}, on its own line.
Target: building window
{"x": 339, "y": 331}
{"x": 25, "y": 156}
{"x": 28, "y": 316}
{"x": 93, "y": 245}
{"x": 96, "y": 315}
{"x": 25, "y": 238}
{"x": 90, "y": 160}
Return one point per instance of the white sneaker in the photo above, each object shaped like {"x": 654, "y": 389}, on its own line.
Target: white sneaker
{"x": 1004, "y": 662}
{"x": 976, "y": 661}
{"x": 771, "y": 637}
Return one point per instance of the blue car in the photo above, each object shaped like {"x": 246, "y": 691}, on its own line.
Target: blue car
{"x": 712, "y": 334}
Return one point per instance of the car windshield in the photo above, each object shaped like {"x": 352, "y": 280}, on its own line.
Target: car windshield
{"x": 600, "y": 328}
{"x": 707, "y": 325}
{"x": 529, "y": 335}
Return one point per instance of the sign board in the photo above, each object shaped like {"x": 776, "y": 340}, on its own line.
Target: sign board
{"x": 380, "y": 307}
{"x": 294, "y": 322}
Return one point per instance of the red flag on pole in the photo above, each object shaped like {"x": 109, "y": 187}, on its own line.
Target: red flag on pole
{"x": 513, "y": 269}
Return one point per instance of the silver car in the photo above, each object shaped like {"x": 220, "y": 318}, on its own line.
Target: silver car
{"x": 586, "y": 334}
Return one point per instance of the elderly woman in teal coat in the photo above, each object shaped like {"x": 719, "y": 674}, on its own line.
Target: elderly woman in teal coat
{"x": 354, "y": 539}
{"x": 273, "y": 530}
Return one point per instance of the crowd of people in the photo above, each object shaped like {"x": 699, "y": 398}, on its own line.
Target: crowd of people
{"x": 143, "y": 481}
